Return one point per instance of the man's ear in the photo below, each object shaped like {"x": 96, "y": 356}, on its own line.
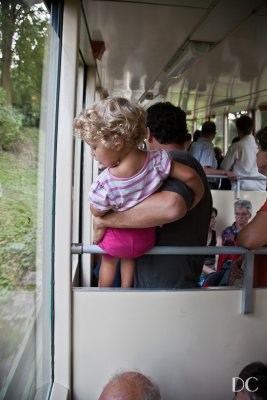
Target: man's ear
{"x": 118, "y": 142}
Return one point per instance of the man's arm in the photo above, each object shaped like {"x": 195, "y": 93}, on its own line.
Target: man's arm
{"x": 158, "y": 209}
{"x": 229, "y": 158}
{"x": 228, "y": 162}
{"x": 190, "y": 177}
{"x": 254, "y": 234}
{"x": 211, "y": 171}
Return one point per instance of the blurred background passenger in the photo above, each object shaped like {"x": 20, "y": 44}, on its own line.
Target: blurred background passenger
{"x": 223, "y": 183}
{"x": 196, "y": 135}
{"x": 235, "y": 139}
{"x": 203, "y": 151}
{"x": 188, "y": 141}
{"x": 218, "y": 155}
{"x": 210, "y": 261}
{"x": 241, "y": 157}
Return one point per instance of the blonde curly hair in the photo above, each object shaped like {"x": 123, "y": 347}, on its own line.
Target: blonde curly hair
{"x": 111, "y": 117}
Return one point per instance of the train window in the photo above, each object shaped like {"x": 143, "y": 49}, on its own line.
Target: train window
{"x": 29, "y": 54}
{"x": 264, "y": 118}
{"x": 78, "y": 162}
{"x": 218, "y": 141}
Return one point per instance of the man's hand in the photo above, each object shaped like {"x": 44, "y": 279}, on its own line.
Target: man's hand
{"x": 231, "y": 175}
{"x": 99, "y": 229}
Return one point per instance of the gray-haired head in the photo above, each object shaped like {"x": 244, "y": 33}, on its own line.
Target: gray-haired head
{"x": 243, "y": 204}
{"x": 130, "y": 386}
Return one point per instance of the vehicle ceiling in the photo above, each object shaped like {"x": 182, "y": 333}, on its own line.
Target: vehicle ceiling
{"x": 142, "y": 38}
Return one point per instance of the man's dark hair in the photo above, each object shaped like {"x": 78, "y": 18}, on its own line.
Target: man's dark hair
{"x": 208, "y": 127}
{"x": 244, "y": 124}
{"x": 167, "y": 123}
{"x": 258, "y": 386}
{"x": 261, "y": 138}
{"x": 188, "y": 137}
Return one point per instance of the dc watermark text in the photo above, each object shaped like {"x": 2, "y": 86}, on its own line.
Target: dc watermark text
{"x": 239, "y": 384}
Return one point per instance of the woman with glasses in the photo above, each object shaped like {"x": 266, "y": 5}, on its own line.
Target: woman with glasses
{"x": 243, "y": 213}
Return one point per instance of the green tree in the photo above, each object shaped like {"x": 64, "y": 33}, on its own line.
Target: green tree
{"x": 7, "y": 29}
{"x": 23, "y": 33}
{"x": 10, "y": 123}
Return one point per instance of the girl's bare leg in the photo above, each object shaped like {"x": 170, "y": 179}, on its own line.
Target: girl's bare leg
{"x": 127, "y": 272}
{"x": 107, "y": 271}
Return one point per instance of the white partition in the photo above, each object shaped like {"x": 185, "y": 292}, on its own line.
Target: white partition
{"x": 191, "y": 342}
{"x": 224, "y": 200}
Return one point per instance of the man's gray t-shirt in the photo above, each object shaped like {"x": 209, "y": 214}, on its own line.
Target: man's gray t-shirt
{"x": 178, "y": 271}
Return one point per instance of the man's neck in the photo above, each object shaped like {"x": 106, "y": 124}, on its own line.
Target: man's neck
{"x": 242, "y": 135}
{"x": 153, "y": 144}
{"x": 207, "y": 137}
{"x": 171, "y": 147}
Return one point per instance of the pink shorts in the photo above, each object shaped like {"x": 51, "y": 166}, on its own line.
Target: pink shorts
{"x": 128, "y": 243}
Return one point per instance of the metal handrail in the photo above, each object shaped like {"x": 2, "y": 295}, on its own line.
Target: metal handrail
{"x": 80, "y": 248}
{"x": 240, "y": 178}
{"x": 237, "y": 190}
{"x": 247, "y": 287}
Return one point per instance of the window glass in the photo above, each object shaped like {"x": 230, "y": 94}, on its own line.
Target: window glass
{"x": 29, "y": 50}
{"x": 263, "y": 119}
{"x": 218, "y": 141}
{"x": 77, "y": 187}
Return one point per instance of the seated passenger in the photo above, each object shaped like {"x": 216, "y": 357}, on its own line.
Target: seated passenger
{"x": 167, "y": 130}
{"x": 243, "y": 212}
{"x": 254, "y": 234}
{"x": 114, "y": 128}
{"x": 210, "y": 261}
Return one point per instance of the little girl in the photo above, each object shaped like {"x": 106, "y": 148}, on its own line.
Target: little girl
{"x": 113, "y": 129}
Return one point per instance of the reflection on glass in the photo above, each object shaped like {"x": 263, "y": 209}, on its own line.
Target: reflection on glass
{"x": 25, "y": 43}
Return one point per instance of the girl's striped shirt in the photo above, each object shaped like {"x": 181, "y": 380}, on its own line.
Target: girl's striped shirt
{"x": 111, "y": 193}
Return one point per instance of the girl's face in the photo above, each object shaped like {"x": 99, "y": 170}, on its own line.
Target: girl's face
{"x": 106, "y": 157}
{"x": 262, "y": 161}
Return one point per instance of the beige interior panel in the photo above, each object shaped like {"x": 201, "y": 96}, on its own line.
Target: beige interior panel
{"x": 191, "y": 342}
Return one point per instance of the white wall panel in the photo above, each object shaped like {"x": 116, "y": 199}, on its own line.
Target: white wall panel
{"x": 191, "y": 342}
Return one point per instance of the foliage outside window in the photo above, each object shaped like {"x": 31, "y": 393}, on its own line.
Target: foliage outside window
{"x": 24, "y": 38}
